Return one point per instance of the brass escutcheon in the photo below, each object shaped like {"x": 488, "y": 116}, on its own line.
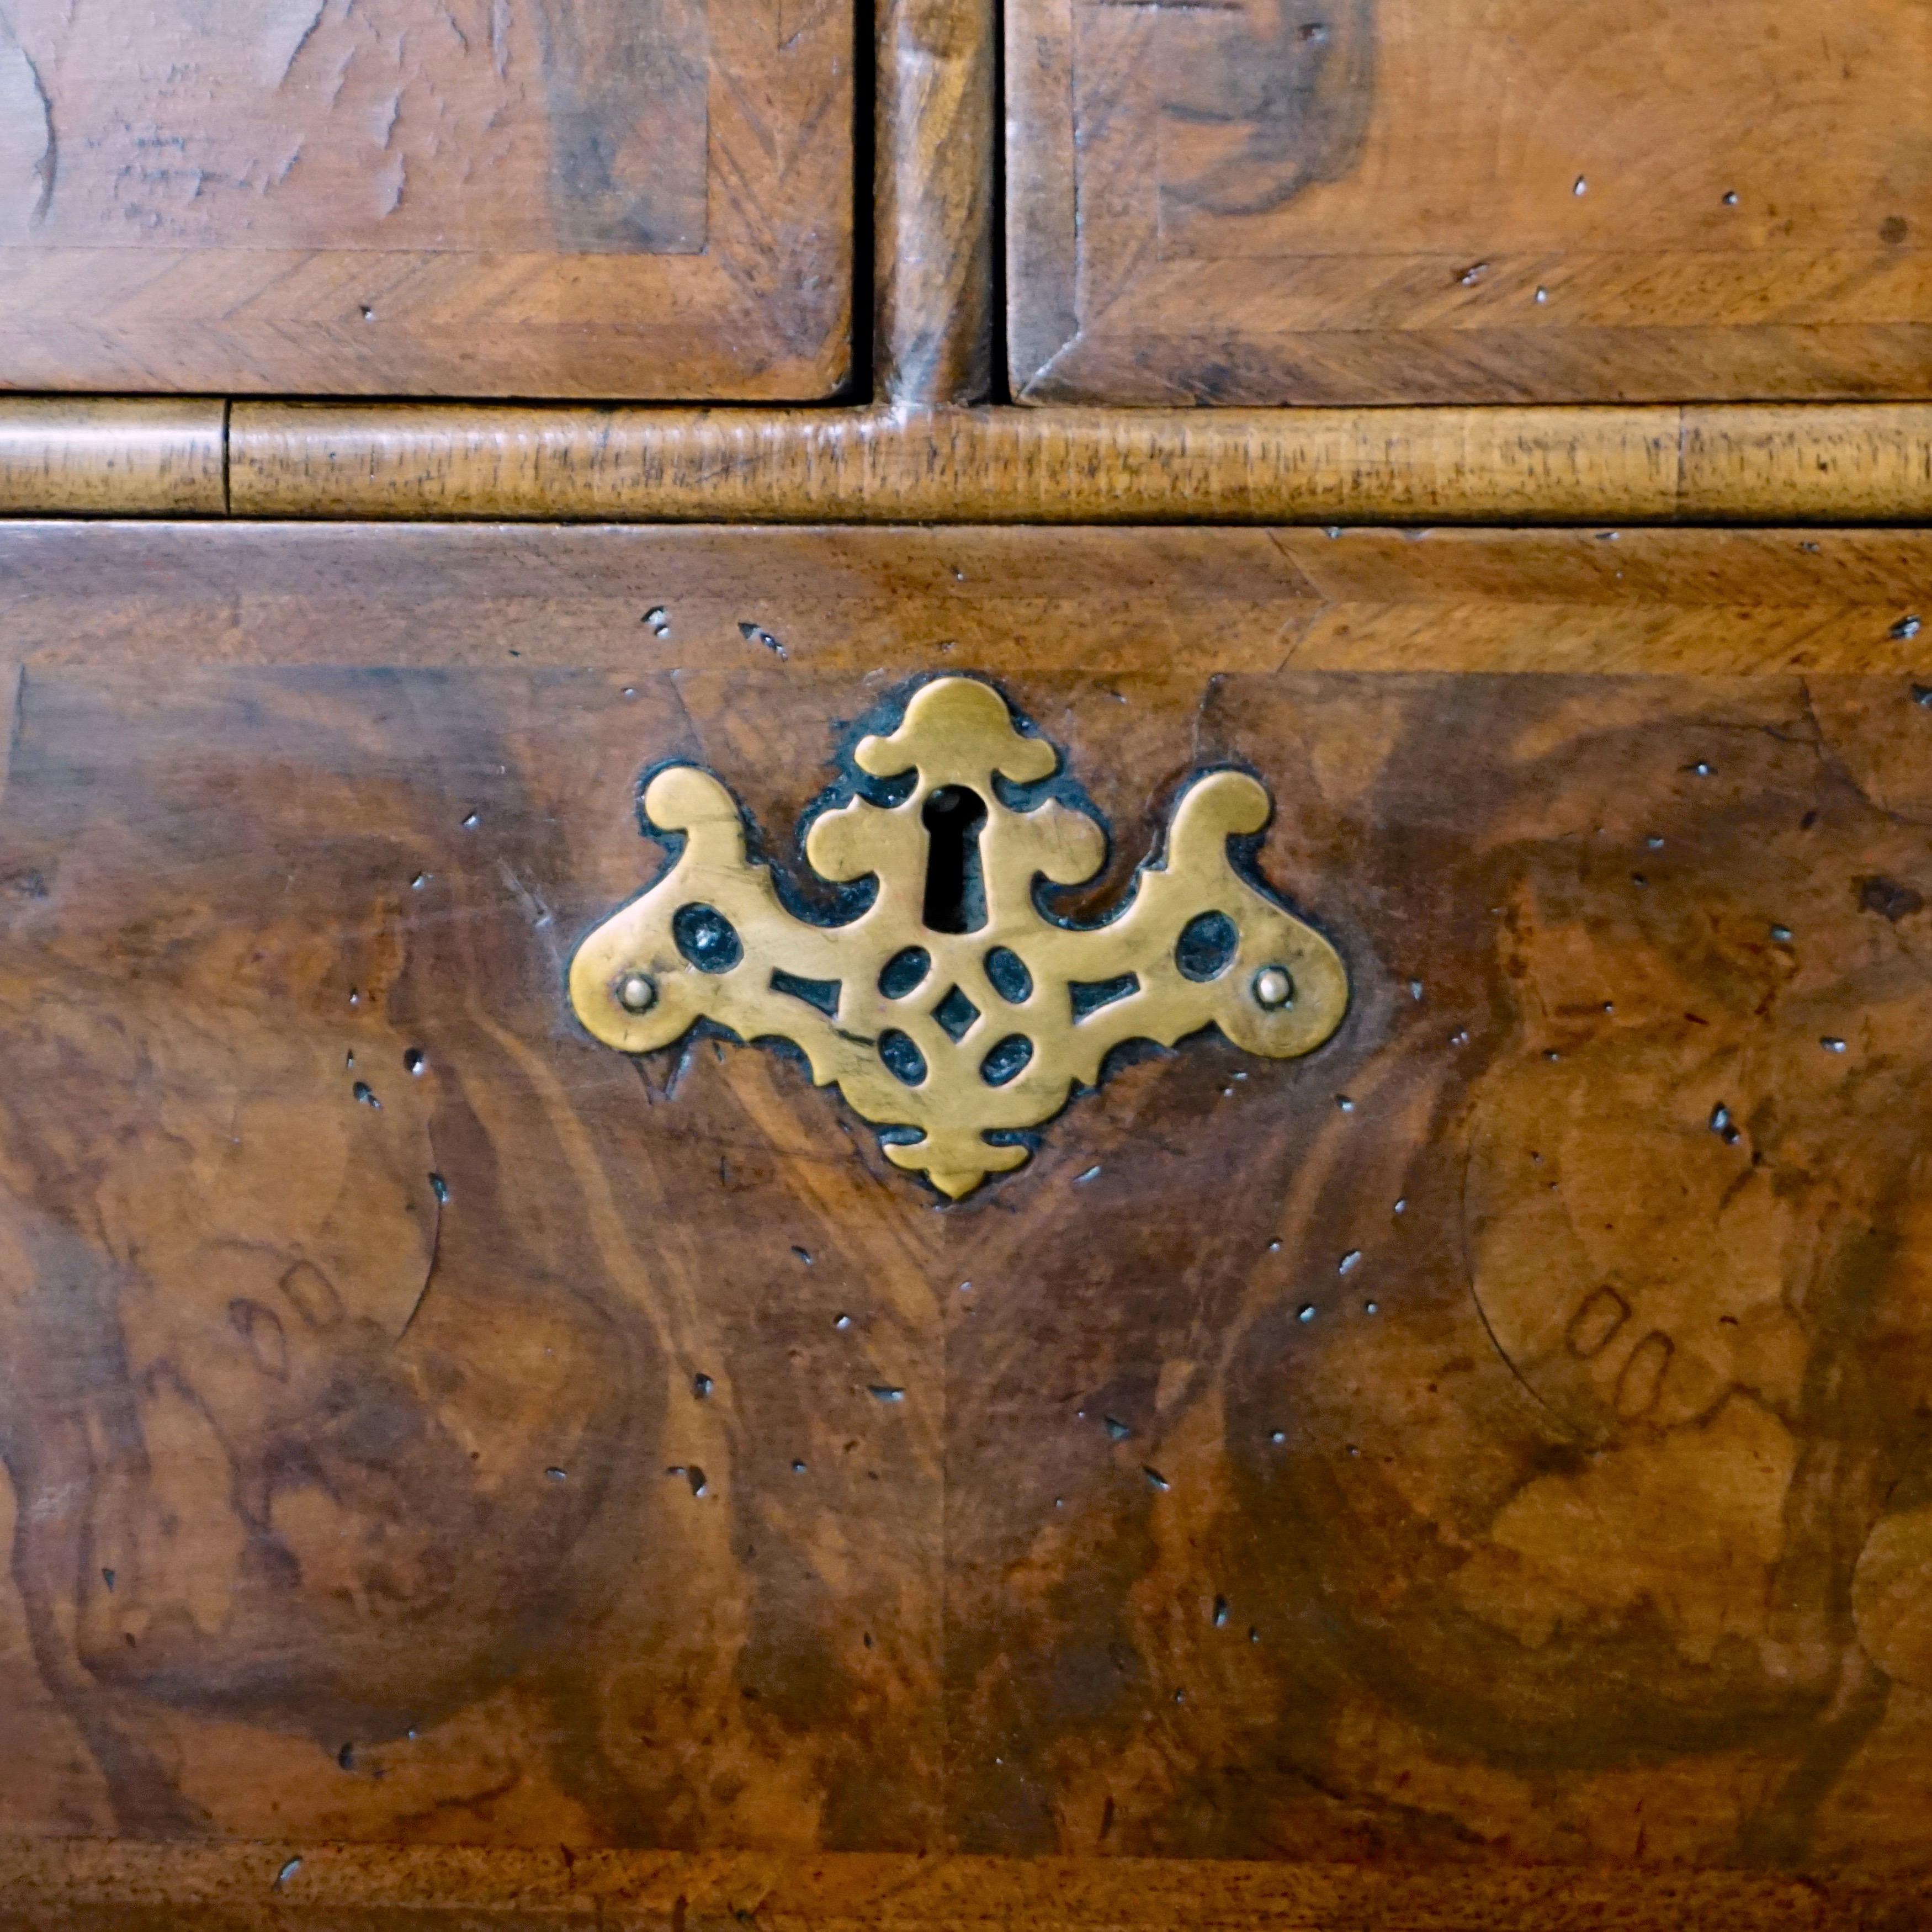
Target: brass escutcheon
{"x": 953, "y": 1007}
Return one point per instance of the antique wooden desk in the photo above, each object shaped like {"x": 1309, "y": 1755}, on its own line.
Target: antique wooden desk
{"x": 908, "y": 1029}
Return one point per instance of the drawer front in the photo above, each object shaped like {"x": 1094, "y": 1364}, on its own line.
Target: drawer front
{"x": 499, "y": 197}
{"x": 1464, "y": 1405}
{"x": 1439, "y": 201}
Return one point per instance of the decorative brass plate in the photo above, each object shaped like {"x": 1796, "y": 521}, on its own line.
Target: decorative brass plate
{"x": 953, "y": 1008}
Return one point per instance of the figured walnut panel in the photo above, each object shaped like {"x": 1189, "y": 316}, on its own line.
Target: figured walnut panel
{"x": 1374, "y": 201}
{"x": 523, "y": 197}
{"x": 1492, "y": 1441}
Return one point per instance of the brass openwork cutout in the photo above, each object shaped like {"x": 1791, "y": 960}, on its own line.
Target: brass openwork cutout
{"x": 953, "y": 1008}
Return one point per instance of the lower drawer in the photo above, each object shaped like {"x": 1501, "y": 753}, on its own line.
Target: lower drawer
{"x": 626, "y": 1223}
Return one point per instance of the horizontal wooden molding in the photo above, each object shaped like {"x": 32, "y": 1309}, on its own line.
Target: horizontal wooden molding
{"x": 1079, "y": 465}
{"x": 1738, "y": 463}
{"x": 112, "y": 456}
{"x": 238, "y": 1887}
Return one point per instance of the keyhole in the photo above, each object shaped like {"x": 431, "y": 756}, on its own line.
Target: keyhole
{"x": 955, "y": 894}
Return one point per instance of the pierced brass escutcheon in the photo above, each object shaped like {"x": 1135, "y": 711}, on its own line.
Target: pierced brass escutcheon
{"x": 953, "y": 1008}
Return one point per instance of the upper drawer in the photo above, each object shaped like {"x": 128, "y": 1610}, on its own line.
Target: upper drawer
{"x": 1436, "y": 201}
{"x": 628, "y": 198}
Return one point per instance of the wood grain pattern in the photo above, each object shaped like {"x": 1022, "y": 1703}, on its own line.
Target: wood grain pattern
{"x": 564, "y": 1461}
{"x": 122, "y": 456}
{"x": 75, "y": 1885}
{"x": 1450, "y": 201}
{"x": 1825, "y": 464}
{"x": 892, "y": 602}
{"x": 1870, "y": 460}
{"x": 523, "y": 197}
{"x": 912, "y": 466}
{"x": 934, "y": 200}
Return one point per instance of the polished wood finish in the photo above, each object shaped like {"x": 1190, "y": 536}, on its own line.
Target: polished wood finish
{"x": 1871, "y": 462}
{"x": 139, "y": 457}
{"x": 577, "y": 198}
{"x": 887, "y": 603}
{"x": 1553, "y": 466}
{"x": 1473, "y": 1475}
{"x": 75, "y": 1885}
{"x": 1453, "y": 201}
{"x": 1070, "y": 466}
{"x": 934, "y": 200}
{"x": 419, "y": 1483}
{"x": 124, "y": 456}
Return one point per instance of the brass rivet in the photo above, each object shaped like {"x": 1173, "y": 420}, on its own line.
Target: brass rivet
{"x": 1273, "y": 988}
{"x": 637, "y": 993}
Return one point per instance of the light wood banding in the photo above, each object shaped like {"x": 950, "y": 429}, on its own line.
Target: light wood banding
{"x": 113, "y": 456}
{"x": 1654, "y": 464}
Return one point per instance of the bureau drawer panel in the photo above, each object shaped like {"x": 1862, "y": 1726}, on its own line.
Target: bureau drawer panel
{"x": 628, "y": 198}
{"x": 1485, "y": 1428}
{"x": 1442, "y": 201}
